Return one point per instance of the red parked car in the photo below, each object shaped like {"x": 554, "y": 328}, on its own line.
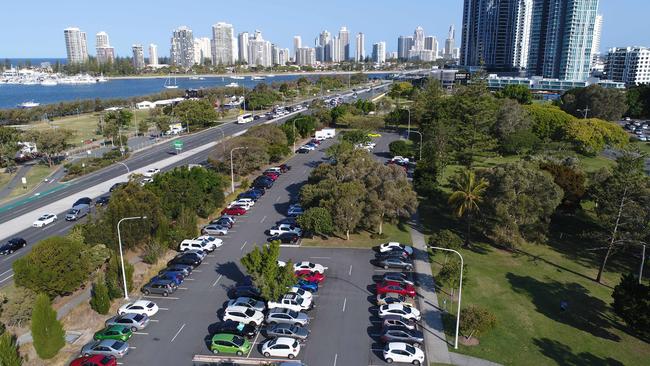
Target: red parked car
{"x": 95, "y": 360}
{"x": 271, "y": 175}
{"x": 395, "y": 288}
{"x": 284, "y": 168}
{"x": 234, "y": 211}
{"x": 310, "y": 276}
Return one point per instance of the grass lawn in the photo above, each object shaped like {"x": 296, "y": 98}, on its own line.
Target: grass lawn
{"x": 363, "y": 239}
{"x": 34, "y": 176}
{"x": 5, "y": 178}
{"x": 524, "y": 290}
{"x": 643, "y": 146}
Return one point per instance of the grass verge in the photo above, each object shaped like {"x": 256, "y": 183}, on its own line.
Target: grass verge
{"x": 34, "y": 176}
{"x": 363, "y": 239}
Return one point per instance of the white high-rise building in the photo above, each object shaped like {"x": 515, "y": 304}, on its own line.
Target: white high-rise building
{"x": 275, "y": 54}
{"x": 344, "y": 37}
{"x": 629, "y": 65}
{"x": 379, "y": 52}
{"x": 153, "y": 55}
{"x": 418, "y": 38}
{"x": 138, "y": 57}
{"x": 431, "y": 44}
{"x": 242, "y": 43}
{"x": 182, "y": 48}
{"x": 336, "y": 48}
{"x": 104, "y": 52}
{"x": 284, "y": 56}
{"x": 297, "y": 44}
{"x": 101, "y": 40}
{"x": 450, "y": 43}
{"x": 202, "y": 50}
{"x": 392, "y": 55}
{"x": 76, "y": 45}
{"x": 418, "y": 51}
{"x": 598, "y": 28}
{"x": 306, "y": 56}
{"x": 223, "y": 49}
{"x": 360, "y": 52}
{"x": 522, "y": 24}
{"x": 259, "y": 51}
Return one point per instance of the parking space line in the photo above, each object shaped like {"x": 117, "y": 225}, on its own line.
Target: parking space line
{"x": 345, "y": 301}
{"x": 160, "y": 297}
{"x": 141, "y": 333}
{"x": 336, "y": 356}
{"x": 277, "y": 199}
{"x": 154, "y": 320}
{"x": 163, "y": 308}
{"x": 254, "y": 342}
{"x": 133, "y": 347}
{"x": 215, "y": 282}
{"x": 242, "y": 247}
{"x": 350, "y": 271}
{"x": 4, "y": 279}
{"x": 177, "y": 333}
{"x": 182, "y": 288}
{"x": 198, "y": 270}
{"x": 190, "y": 279}
{"x": 320, "y": 257}
{"x": 263, "y": 218}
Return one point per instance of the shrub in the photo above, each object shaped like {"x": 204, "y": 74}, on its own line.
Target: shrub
{"x": 114, "y": 281}
{"x": 632, "y": 303}
{"x": 9, "y": 355}
{"x": 18, "y": 309}
{"x": 445, "y": 239}
{"x": 476, "y": 320}
{"x": 401, "y": 148}
{"x": 100, "y": 301}
{"x": 152, "y": 252}
{"x": 47, "y": 331}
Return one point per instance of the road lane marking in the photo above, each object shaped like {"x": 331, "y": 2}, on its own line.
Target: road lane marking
{"x": 9, "y": 257}
{"x": 3, "y": 280}
{"x": 6, "y": 272}
{"x": 154, "y": 320}
{"x": 217, "y": 281}
{"x": 190, "y": 279}
{"x": 345, "y": 301}
{"x": 277, "y": 199}
{"x": 242, "y": 247}
{"x": 263, "y": 218}
{"x": 163, "y": 308}
{"x": 350, "y": 271}
{"x": 182, "y": 288}
{"x": 198, "y": 270}
{"x": 177, "y": 333}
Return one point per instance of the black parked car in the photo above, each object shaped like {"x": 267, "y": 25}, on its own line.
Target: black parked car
{"x": 117, "y": 185}
{"x": 102, "y": 201}
{"x": 395, "y": 262}
{"x": 222, "y": 222}
{"x": 245, "y": 291}
{"x": 233, "y": 327}
{"x": 303, "y": 150}
{"x": 12, "y": 245}
{"x": 287, "y": 330}
{"x": 265, "y": 184}
{"x": 286, "y": 238}
{"x": 402, "y": 334}
{"x": 190, "y": 259}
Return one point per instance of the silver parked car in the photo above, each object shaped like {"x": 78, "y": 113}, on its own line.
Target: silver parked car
{"x": 286, "y": 316}
{"x": 287, "y": 330}
{"x": 106, "y": 347}
{"x": 214, "y": 229}
{"x": 247, "y": 302}
{"x": 135, "y": 321}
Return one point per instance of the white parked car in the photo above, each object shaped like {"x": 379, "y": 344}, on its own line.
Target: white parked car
{"x": 199, "y": 244}
{"x": 400, "y": 159}
{"x": 406, "y": 312}
{"x": 282, "y": 263}
{"x": 291, "y": 301}
{"x": 243, "y": 314}
{"x": 151, "y": 172}
{"x": 403, "y": 352}
{"x": 145, "y": 307}
{"x": 211, "y": 239}
{"x": 247, "y": 302}
{"x": 308, "y": 296}
{"x": 246, "y": 203}
{"x": 308, "y": 147}
{"x": 281, "y": 347}
{"x": 393, "y": 245}
{"x": 44, "y": 220}
{"x": 314, "y": 267}
{"x": 285, "y": 228}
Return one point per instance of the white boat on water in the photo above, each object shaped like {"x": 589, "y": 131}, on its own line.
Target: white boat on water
{"x": 194, "y": 78}
{"x": 49, "y": 82}
{"x": 168, "y": 83}
{"x": 102, "y": 79}
{"x": 237, "y": 77}
{"x": 258, "y": 78}
{"x": 270, "y": 76}
{"x": 27, "y": 105}
{"x": 232, "y": 85}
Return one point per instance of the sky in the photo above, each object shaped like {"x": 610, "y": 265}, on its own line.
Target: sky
{"x": 35, "y": 29}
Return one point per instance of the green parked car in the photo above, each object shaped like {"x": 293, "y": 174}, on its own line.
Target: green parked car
{"x": 229, "y": 343}
{"x": 115, "y": 332}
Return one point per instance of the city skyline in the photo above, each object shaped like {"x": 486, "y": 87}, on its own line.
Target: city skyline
{"x": 619, "y": 25}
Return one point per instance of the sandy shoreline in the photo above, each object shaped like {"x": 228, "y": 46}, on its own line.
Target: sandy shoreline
{"x": 248, "y": 74}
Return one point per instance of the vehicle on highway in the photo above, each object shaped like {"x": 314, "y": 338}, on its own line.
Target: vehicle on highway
{"x": 291, "y": 301}
{"x": 160, "y": 285}
{"x": 229, "y": 343}
{"x": 402, "y": 352}
{"x": 213, "y": 229}
{"x": 77, "y": 212}
{"x": 145, "y": 307}
{"x": 248, "y": 303}
{"x": 286, "y": 316}
{"x": 233, "y": 327}
{"x": 245, "y": 291}
{"x": 12, "y": 245}
{"x": 315, "y": 267}
{"x": 44, "y": 220}
{"x": 134, "y": 321}
{"x": 395, "y": 262}
{"x": 284, "y": 228}
{"x": 393, "y": 245}
{"x": 151, "y": 172}
{"x": 235, "y": 211}
{"x": 398, "y": 321}
{"x": 281, "y": 347}
{"x": 185, "y": 259}
{"x": 102, "y": 201}
{"x": 115, "y": 332}
{"x": 406, "y": 312}
{"x": 310, "y": 276}
{"x": 243, "y": 314}
{"x": 107, "y": 347}
{"x": 396, "y": 288}
{"x": 117, "y": 185}
{"x": 307, "y": 295}
{"x": 392, "y": 298}
{"x": 398, "y": 277}
{"x": 286, "y": 238}
{"x": 94, "y": 360}
{"x": 400, "y": 334}
{"x": 245, "y": 118}
{"x": 83, "y": 201}
{"x": 287, "y": 330}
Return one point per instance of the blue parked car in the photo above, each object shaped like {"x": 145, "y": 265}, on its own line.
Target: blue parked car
{"x": 252, "y": 195}
{"x": 308, "y": 286}
{"x": 170, "y": 276}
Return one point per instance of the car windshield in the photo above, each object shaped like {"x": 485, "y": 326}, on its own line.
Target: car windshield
{"x": 117, "y": 345}
{"x": 273, "y": 342}
{"x": 250, "y": 312}
{"x": 410, "y": 349}
{"x": 293, "y": 314}
{"x": 238, "y": 341}
{"x": 150, "y": 305}
{"x": 138, "y": 317}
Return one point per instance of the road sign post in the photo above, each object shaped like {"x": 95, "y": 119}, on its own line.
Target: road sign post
{"x": 178, "y": 146}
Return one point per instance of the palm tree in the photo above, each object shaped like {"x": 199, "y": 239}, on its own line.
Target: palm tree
{"x": 468, "y": 193}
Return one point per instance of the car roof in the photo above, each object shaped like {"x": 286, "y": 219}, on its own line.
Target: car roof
{"x": 238, "y": 308}
{"x": 285, "y": 340}
{"x": 396, "y": 346}
{"x": 142, "y": 303}
{"x": 223, "y": 337}
{"x": 395, "y": 306}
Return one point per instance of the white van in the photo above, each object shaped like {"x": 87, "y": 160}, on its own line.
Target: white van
{"x": 245, "y": 118}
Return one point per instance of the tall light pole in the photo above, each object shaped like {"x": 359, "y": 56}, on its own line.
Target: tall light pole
{"x": 232, "y": 169}
{"x": 119, "y": 239}
{"x": 419, "y": 133}
{"x": 408, "y": 131}
{"x": 642, "y": 263}
{"x": 460, "y": 288}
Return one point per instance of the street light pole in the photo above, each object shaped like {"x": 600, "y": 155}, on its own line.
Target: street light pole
{"x": 460, "y": 288}
{"x": 119, "y": 239}
{"x": 232, "y": 169}
{"x": 408, "y": 131}
{"x": 419, "y": 133}
{"x": 642, "y": 263}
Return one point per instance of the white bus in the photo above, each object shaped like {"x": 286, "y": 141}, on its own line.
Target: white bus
{"x": 245, "y": 118}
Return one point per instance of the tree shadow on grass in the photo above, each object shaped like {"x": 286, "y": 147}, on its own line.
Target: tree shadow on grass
{"x": 584, "y": 312}
{"x": 563, "y": 355}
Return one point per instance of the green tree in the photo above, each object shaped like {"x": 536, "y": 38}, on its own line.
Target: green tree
{"x": 390, "y": 196}
{"x": 571, "y": 179}
{"x": 196, "y": 113}
{"x": 401, "y": 148}
{"x": 591, "y": 136}
{"x": 596, "y": 101}
{"x": 355, "y": 137}
{"x": 520, "y": 143}
{"x": 632, "y": 303}
{"x": 520, "y": 93}
{"x": 317, "y": 220}
{"x": 638, "y": 101}
{"x": 400, "y": 90}
{"x": 113, "y": 276}
{"x": 347, "y": 206}
{"x": 464, "y": 200}
{"x": 47, "y": 331}
{"x": 50, "y": 143}
{"x": 449, "y": 276}
{"x": 9, "y": 138}
{"x": 549, "y": 122}
{"x": 54, "y": 266}
{"x": 143, "y": 126}
{"x": 262, "y": 265}
{"x": 9, "y": 355}
{"x": 476, "y": 320}
{"x": 100, "y": 300}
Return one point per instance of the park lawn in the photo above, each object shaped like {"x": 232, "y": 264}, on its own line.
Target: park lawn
{"x": 84, "y": 127}
{"x": 399, "y": 233}
{"x": 592, "y": 164}
{"x": 34, "y": 176}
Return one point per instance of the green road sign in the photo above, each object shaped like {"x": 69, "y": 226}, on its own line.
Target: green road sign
{"x": 178, "y": 144}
